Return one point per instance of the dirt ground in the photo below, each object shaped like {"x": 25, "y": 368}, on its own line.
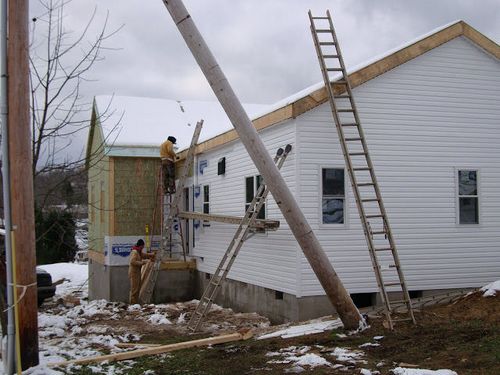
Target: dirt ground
{"x": 463, "y": 336}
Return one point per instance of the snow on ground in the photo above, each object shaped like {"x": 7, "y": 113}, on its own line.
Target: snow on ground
{"x": 417, "y": 371}
{"x": 75, "y": 275}
{"x": 316, "y": 326}
{"x": 491, "y": 289}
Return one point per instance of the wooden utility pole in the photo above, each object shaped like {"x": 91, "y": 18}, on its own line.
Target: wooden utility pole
{"x": 22, "y": 202}
{"x": 301, "y": 229}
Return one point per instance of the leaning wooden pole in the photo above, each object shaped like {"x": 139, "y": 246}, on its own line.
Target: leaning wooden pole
{"x": 310, "y": 245}
{"x": 21, "y": 180}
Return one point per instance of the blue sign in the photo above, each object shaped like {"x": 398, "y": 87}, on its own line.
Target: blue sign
{"x": 202, "y": 164}
{"x": 122, "y": 250}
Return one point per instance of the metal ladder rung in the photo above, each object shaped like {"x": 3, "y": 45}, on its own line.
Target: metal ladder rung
{"x": 353, "y": 139}
{"x": 327, "y": 43}
{"x": 357, "y": 154}
{"x": 323, "y": 30}
{"x": 361, "y": 169}
{"x": 366, "y": 184}
{"x": 350, "y": 124}
{"x": 373, "y": 216}
{"x": 330, "y": 56}
{"x": 320, "y": 18}
{"x": 340, "y": 82}
{"x": 344, "y": 110}
{"x": 379, "y": 232}
{"x": 346, "y": 96}
{"x": 393, "y": 284}
{"x": 384, "y": 249}
{"x": 370, "y": 200}
{"x": 334, "y": 69}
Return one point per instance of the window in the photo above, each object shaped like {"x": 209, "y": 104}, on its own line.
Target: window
{"x": 206, "y": 203}
{"x": 333, "y": 195}
{"x": 468, "y": 197}
{"x": 206, "y": 199}
{"x": 252, "y": 185}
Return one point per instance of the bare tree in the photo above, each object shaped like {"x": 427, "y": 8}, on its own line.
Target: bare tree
{"x": 60, "y": 62}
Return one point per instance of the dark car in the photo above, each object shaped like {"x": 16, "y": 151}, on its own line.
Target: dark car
{"x": 44, "y": 285}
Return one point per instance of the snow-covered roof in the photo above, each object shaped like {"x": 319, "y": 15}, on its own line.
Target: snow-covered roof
{"x": 136, "y": 126}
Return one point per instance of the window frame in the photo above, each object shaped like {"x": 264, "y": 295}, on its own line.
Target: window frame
{"x": 458, "y": 196}
{"x": 345, "y": 224}
{"x": 255, "y": 187}
{"x": 205, "y": 203}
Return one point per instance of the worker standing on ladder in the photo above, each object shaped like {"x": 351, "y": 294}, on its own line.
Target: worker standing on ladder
{"x": 137, "y": 260}
{"x": 167, "y": 155}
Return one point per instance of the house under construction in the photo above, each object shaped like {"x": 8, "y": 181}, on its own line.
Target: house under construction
{"x": 431, "y": 116}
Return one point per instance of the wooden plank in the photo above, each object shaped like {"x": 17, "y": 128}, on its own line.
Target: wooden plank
{"x": 178, "y": 265}
{"x": 237, "y": 336}
{"x": 135, "y": 344}
{"x": 259, "y": 223}
{"x": 484, "y": 42}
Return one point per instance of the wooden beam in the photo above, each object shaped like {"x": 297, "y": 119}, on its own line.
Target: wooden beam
{"x": 237, "y": 336}
{"x": 259, "y": 223}
{"x": 178, "y": 265}
{"x": 21, "y": 177}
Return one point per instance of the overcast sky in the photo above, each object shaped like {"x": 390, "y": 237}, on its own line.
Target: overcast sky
{"x": 263, "y": 46}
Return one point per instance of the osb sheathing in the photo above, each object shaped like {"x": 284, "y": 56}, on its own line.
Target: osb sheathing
{"x": 135, "y": 187}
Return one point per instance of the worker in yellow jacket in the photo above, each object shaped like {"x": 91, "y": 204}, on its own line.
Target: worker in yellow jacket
{"x": 137, "y": 260}
{"x": 167, "y": 155}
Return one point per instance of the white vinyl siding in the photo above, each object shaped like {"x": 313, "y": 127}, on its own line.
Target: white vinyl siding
{"x": 422, "y": 120}
{"x": 266, "y": 259}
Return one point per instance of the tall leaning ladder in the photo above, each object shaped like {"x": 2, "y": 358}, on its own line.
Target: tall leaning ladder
{"x": 150, "y": 278}
{"x": 381, "y": 245}
{"x": 241, "y": 235}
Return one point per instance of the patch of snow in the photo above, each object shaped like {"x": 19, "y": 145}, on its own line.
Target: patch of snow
{"x": 378, "y": 338}
{"x": 491, "y": 289}
{"x": 309, "y": 359}
{"x": 75, "y": 275}
{"x": 182, "y": 318}
{"x": 135, "y": 307}
{"x": 158, "y": 319}
{"x": 417, "y": 371}
{"x": 346, "y": 355}
{"x": 364, "y": 371}
{"x": 304, "y": 329}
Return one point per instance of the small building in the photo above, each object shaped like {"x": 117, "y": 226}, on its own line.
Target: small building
{"x": 431, "y": 114}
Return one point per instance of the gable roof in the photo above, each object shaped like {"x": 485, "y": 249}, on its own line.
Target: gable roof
{"x": 316, "y": 95}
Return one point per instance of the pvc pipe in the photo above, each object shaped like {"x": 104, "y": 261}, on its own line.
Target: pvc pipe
{"x": 6, "y": 187}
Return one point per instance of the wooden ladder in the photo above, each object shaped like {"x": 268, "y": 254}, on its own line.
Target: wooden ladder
{"x": 241, "y": 235}
{"x": 381, "y": 245}
{"x": 151, "y": 275}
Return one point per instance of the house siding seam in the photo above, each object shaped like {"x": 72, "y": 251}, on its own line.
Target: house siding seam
{"x": 422, "y": 120}
{"x": 269, "y": 259}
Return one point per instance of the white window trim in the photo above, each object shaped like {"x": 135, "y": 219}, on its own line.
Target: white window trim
{"x": 205, "y": 223}
{"x": 345, "y": 224}
{"x": 457, "y": 200}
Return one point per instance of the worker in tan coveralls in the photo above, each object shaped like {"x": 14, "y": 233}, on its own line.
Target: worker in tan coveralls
{"x": 167, "y": 155}
{"x": 137, "y": 260}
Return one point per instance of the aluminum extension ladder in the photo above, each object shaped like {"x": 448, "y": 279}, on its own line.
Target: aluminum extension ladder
{"x": 150, "y": 278}
{"x": 381, "y": 245}
{"x": 241, "y": 235}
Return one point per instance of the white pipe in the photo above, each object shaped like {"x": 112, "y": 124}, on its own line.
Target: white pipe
{"x": 9, "y": 367}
